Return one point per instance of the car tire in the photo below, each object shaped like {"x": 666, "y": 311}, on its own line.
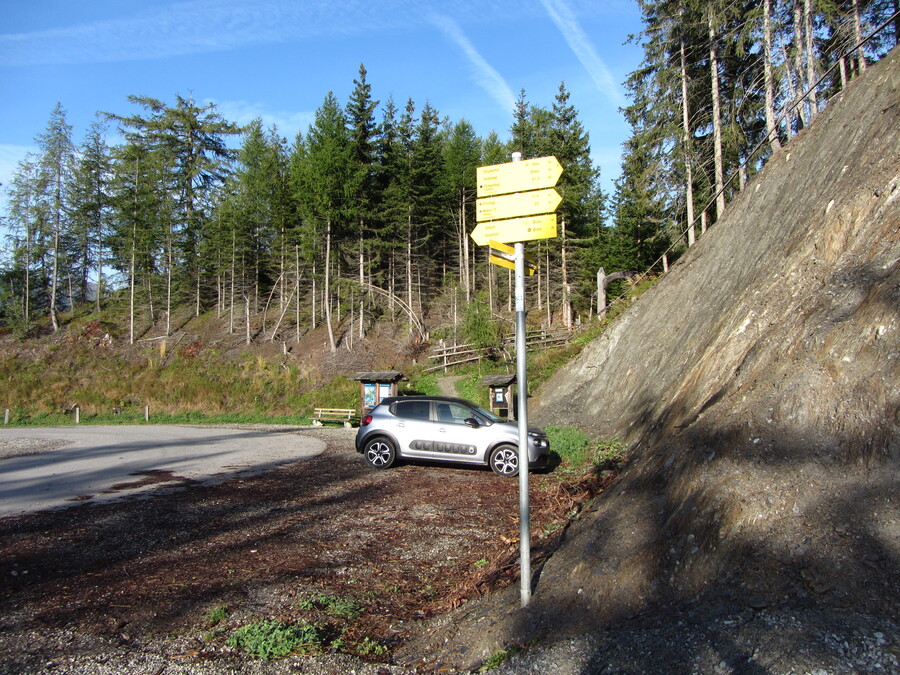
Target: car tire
{"x": 380, "y": 453}
{"x": 504, "y": 460}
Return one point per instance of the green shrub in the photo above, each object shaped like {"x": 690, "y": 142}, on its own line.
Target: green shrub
{"x": 270, "y": 639}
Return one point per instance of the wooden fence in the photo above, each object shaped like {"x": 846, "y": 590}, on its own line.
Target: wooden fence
{"x": 454, "y": 355}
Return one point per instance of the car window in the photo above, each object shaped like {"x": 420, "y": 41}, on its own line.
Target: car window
{"x": 452, "y": 413}
{"x": 417, "y": 410}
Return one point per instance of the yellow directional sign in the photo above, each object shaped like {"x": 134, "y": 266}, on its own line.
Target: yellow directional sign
{"x": 530, "y": 174}
{"x": 517, "y": 204}
{"x": 505, "y": 256}
{"x": 516, "y": 229}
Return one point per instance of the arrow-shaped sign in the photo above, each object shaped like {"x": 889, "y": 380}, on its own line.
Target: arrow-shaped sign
{"x": 516, "y": 229}
{"x": 505, "y": 256}
{"x": 517, "y": 204}
{"x": 530, "y": 174}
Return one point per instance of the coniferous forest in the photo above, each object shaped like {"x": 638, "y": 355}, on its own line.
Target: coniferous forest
{"x": 368, "y": 212}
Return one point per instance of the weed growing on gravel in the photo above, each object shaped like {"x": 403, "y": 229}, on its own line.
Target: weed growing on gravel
{"x": 271, "y": 639}
{"x": 369, "y": 647}
{"x": 610, "y": 455}
{"x": 216, "y": 615}
{"x": 345, "y": 608}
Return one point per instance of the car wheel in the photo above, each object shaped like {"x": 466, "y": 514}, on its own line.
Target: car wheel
{"x": 505, "y": 460}
{"x": 380, "y": 453}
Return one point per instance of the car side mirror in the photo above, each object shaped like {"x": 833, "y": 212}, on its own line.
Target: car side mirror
{"x": 472, "y": 422}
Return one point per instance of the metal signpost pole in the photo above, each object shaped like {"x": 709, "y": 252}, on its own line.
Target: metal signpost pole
{"x": 522, "y": 384}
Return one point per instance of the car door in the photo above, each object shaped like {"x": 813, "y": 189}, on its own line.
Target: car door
{"x": 413, "y": 428}
{"x": 456, "y": 439}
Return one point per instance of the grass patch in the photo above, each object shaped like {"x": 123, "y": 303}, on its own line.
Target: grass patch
{"x": 578, "y": 452}
{"x": 571, "y": 444}
{"x": 271, "y": 639}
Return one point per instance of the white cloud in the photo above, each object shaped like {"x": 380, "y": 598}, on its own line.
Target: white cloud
{"x": 486, "y": 76}
{"x": 578, "y": 41}
{"x": 181, "y": 28}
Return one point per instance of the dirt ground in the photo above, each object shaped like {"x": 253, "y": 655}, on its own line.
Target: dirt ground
{"x": 146, "y": 576}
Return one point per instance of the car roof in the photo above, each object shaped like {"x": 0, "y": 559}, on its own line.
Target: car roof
{"x": 388, "y": 400}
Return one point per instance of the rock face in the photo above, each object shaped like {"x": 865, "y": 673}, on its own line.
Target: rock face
{"x": 783, "y": 318}
{"x": 758, "y": 385}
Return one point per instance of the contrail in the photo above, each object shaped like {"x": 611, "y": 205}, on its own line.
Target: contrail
{"x": 486, "y": 75}
{"x": 568, "y": 25}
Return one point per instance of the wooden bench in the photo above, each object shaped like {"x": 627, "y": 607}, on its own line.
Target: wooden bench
{"x": 345, "y": 415}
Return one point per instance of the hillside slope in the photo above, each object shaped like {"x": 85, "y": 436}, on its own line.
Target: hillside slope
{"x": 757, "y": 385}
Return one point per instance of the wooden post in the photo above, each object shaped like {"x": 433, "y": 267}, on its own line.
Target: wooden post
{"x": 601, "y": 293}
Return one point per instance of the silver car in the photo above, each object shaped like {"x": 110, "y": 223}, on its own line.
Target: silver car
{"x": 445, "y": 429}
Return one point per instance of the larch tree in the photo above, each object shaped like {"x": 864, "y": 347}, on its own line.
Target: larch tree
{"x": 56, "y": 159}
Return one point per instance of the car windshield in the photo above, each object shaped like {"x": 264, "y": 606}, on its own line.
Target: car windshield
{"x": 489, "y": 415}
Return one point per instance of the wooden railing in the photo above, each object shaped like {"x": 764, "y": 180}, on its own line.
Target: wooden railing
{"x": 454, "y": 355}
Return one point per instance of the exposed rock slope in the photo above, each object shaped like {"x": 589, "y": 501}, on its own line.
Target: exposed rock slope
{"x": 758, "y": 386}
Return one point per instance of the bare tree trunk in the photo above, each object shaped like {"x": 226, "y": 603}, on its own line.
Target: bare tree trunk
{"x": 26, "y": 305}
{"x": 362, "y": 281}
{"x": 231, "y": 298}
{"x": 490, "y": 282}
{"x": 314, "y": 298}
{"x": 791, "y": 111}
{"x": 857, "y": 34}
{"x": 770, "y": 84}
{"x": 132, "y": 273}
{"x": 169, "y": 281}
{"x": 246, "y": 318}
{"x": 810, "y": 57}
{"x": 331, "y": 344}
{"x": 409, "y": 272}
{"x": 566, "y": 291}
{"x": 297, "y": 288}
{"x": 540, "y": 297}
{"x": 798, "y": 60}
{"x": 99, "y": 291}
{"x": 547, "y": 288}
{"x": 55, "y": 276}
{"x": 717, "y": 121}
{"x": 688, "y": 163}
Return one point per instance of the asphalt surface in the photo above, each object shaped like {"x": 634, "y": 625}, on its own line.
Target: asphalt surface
{"x": 55, "y": 467}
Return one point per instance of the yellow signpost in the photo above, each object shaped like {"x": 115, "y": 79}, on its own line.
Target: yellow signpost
{"x": 516, "y": 203}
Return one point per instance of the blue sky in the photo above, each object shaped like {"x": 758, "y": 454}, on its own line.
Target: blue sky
{"x": 277, "y": 59}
